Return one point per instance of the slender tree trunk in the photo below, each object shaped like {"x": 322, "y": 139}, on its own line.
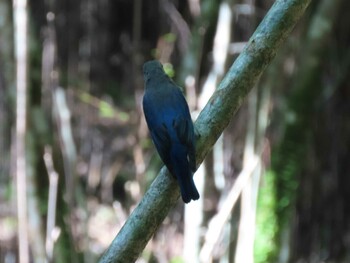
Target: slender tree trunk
{"x": 20, "y": 22}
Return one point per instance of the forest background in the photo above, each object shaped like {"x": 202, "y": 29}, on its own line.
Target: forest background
{"x": 76, "y": 157}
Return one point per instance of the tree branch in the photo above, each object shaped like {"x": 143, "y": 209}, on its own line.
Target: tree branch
{"x": 244, "y": 73}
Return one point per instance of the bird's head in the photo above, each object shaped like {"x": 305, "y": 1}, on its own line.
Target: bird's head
{"x": 153, "y": 70}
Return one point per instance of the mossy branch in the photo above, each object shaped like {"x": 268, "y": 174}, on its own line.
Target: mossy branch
{"x": 240, "y": 79}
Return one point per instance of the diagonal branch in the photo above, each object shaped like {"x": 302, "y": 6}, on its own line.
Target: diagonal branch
{"x": 243, "y": 74}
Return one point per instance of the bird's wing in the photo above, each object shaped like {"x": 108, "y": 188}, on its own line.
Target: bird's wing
{"x": 185, "y": 132}
{"x": 162, "y": 141}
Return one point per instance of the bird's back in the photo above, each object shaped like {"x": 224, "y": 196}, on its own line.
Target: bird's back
{"x": 169, "y": 121}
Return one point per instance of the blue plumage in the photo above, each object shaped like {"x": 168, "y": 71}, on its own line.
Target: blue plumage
{"x": 169, "y": 121}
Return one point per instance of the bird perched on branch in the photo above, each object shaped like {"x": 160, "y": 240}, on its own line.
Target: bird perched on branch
{"x": 170, "y": 124}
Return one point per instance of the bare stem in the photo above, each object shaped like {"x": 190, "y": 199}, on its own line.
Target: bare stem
{"x": 20, "y": 21}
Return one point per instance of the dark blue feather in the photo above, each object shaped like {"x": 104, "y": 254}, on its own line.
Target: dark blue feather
{"x": 169, "y": 121}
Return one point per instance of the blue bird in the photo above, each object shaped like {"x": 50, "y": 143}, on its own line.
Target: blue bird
{"x": 170, "y": 124}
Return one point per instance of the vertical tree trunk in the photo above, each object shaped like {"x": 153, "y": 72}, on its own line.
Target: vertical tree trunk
{"x": 20, "y": 22}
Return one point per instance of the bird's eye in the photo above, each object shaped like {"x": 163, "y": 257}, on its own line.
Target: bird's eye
{"x": 146, "y": 76}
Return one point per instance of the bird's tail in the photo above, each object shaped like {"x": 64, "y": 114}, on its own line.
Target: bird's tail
{"x": 183, "y": 174}
{"x": 188, "y": 189}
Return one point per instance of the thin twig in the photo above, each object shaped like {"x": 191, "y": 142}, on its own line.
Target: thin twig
{"x": 51, "y": 213}
{"x": 69, "y": 152}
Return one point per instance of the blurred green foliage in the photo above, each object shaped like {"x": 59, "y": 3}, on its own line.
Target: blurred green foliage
{"x": 267, "y": 221}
